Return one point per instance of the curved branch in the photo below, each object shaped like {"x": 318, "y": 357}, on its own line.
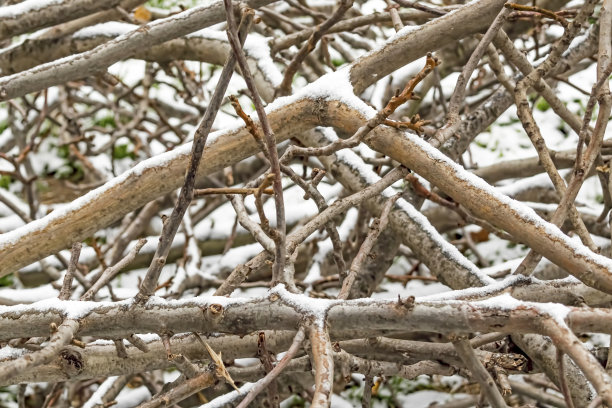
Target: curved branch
{"x": 209, "y": 46}
{"x": 31, "y": 15}
{"x": 125, "y": 46}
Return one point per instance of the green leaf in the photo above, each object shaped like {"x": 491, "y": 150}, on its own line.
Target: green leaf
{"x": 5, "y": 181}
{"x": 63, "y": 151}
{"x": 3, "y": 125}
{"x": 122, "y": 151}
{"x": 106, "y": 121}
{"x": 6, "y": 280}
{"x": 72, "y": 171}
{"x": 542, "y": 105}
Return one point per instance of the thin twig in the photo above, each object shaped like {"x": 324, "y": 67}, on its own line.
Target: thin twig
{"x": 228, "y": 190}
{"x": 563, "y": 381}
{"x": 74, "y": 259}
{"x": 378, "y": 225}
{"x": 264, "y": 382}
{"x": 540, "y": 10}
{"x": 285, "y": 87}
{"x": 279, "y": 239}
{"x": 149, "y": 283}
{"x": 110, "y": 272}
{"x": 488, "y": 387}
{"x": 453, "y": 120}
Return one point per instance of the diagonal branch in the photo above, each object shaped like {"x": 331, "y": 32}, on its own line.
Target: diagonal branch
{"x": 149, "y": 283}
{"x": 278, "y": 270}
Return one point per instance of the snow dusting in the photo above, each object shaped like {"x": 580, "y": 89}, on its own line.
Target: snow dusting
{"x": 506, "y": 302}
{"x": 315, "y": 308}
{"x": 521, "y": 210}
{"x": 96, "y": 398}
{"x": 228, "y": 398}
{"x": 28, "y": 6}
{"x": 334, "y": 86}
{"x": 256, "y": 47}
{"x": 109, "y": 29}
{"x": 9, "y": 353}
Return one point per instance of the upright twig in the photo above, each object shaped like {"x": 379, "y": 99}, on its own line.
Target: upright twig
{"x": 149, "y": 283}
{"x": 366, "y": 399}
{"x": 563, "y": 381}
{"x": 453, "y": 120}
{"x": 285, "y": 87}
{"x": 378, "y": 225}
{"x": 323, "y": 364}
{"x": 264, "y": 382}
{"x": 74, "y": 260}
{"x": 487, "y": 385}
{"x": 270, "y": 141}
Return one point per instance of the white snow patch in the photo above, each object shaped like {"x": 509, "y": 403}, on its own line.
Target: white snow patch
{"x": 225, "y": 399}
{"x": 512, "y": 264}
{"x": 538, "y": 181}
{"x": 109, "y": 29}
{"x": 96, "y": 398}
{"x": 27, "y": 6}
{"x": 335, "y": 86}
{"x": 28, "y": 295}
{"x": 315, "y": 308}
{"x": 556, "y": 311}
{"x": 10, "y": 353}
{"x": 256, "y": 47}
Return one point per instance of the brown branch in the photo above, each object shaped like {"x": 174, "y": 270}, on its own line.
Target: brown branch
{"x": 184, "y": 390}
{"x": 149, "y": 283}
{"x": 408, "y": 92}
{"x": 74, "y": 260}
{"x": 550, "y": 14}
{"x": 422, "y": 191}
{"x": 285, "y": 87}
{"x": 323, "y": 364}
{"x": 228, "y": 190}
{"x": 278, "y": 269}
{"x": 264, "y": 382}
{"x": 378, "y": 225}
{"x": 488, "y": 387}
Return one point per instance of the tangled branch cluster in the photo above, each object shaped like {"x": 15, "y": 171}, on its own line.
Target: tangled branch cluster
{"x": 274, "y": 202}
